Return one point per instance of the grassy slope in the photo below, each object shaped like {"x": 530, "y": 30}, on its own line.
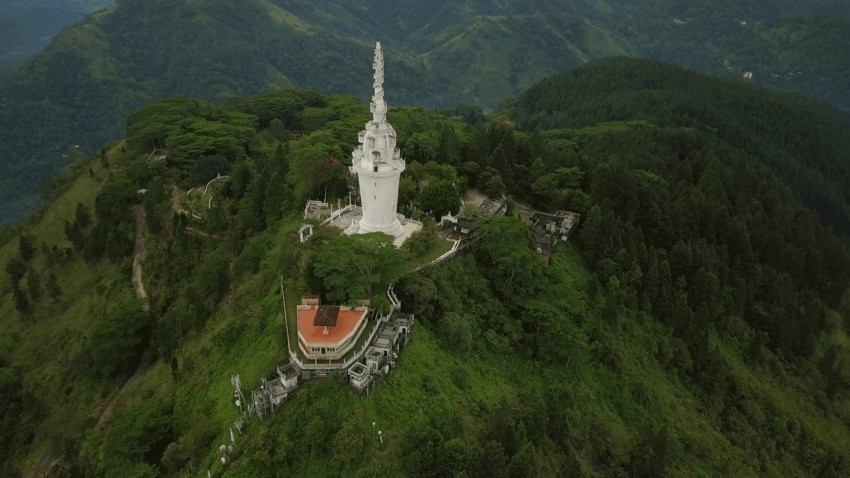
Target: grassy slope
{"x": 45, "y": 344}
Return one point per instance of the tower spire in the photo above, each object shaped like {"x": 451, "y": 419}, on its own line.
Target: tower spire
{"x": 379, "y": 106}
{"x": 378, "y": 163}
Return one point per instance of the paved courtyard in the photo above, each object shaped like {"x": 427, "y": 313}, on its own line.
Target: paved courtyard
{"x": 349, "y": 219}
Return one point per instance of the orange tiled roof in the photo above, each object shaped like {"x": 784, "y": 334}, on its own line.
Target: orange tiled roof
{"x": 347, "y": 321}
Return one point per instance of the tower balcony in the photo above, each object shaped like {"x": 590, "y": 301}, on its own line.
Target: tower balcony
{"x": 361, "y": 137}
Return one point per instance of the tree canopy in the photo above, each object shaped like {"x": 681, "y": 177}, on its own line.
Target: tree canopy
{"x": 349, "y": 266}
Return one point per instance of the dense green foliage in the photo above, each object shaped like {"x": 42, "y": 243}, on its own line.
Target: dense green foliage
{"x": 349, "y": 266}
{"x": 803, "y": 144}
{"x": 692, "y": 224}
{"x": 690, "y": 208}
{"x": 696, "y": 324}
{"x": 76, "y": 94}
{"x": 117, "y": 341}
{"x": 19, "y": 412}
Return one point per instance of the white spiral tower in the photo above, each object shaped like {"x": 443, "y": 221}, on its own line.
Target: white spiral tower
{"x": 378, "y": 163}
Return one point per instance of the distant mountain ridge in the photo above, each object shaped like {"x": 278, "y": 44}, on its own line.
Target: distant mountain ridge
{"x": 439, "y": 53}
{"x": 28, "y": 26}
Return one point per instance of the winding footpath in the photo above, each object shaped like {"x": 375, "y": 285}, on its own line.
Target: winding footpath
{"x": 139, "y": 254}
{"x": 105, "y": 409}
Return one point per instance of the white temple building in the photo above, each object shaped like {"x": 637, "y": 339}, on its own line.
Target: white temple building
{"x": 378, "y": 163}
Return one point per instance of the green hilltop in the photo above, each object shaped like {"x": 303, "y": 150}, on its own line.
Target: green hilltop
{"x": 79, "y": 90}
{"x": 696, "y": 324}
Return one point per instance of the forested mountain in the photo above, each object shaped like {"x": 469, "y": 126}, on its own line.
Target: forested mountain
{"x": 695, "y": 325}
{"x": 27, "y": 26}
{"x": 809, "y": 155}
{"x": 440, "y": 53}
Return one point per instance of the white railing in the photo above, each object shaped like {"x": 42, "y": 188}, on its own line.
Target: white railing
{"x": 216, "y": 179}
{"x": 394, "y": 300}
{"x": 285, "y": 315}
{"x": 336, "y": 214}
{"x": 317, "y": 366}
{"x": 396, "y": 304}
{"x": 448, "y": 255}
{"x": 313, "y": 203}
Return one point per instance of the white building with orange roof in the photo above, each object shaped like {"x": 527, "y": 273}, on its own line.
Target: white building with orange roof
{"x": 328, "y": 332}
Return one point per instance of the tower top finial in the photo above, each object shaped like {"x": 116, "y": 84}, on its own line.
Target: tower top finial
{"x": 379, "y": 106}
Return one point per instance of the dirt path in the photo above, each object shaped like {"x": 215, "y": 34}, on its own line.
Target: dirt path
{"x": 109, "y": 405}
{"x": 105, "y": 410}
{"x": 478, "y": 22}
{"x": 176, "y": 203}
{"x": 194, "y": 231}
{"x": 42, "y": 469}
{"x": 139, "y": 254}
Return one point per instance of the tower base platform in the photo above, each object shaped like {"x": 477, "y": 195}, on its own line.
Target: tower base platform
{"x": 349, "y": 221}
